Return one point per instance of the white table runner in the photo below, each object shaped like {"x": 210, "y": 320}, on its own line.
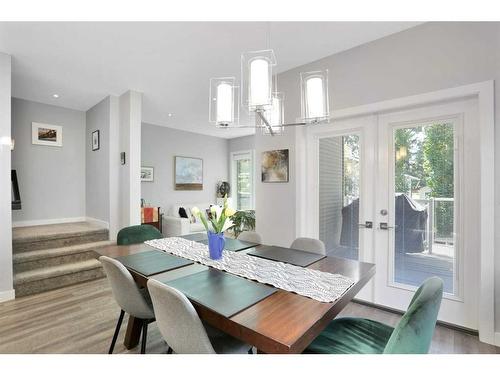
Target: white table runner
{"x": 318, "y": 285}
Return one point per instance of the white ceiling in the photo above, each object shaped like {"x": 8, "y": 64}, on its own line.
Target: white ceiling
{"x": 169, "y": 62}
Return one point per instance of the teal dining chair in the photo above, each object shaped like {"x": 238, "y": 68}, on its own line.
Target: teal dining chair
{"x": 412, "y": 335}
{"x": 137, "y": 234}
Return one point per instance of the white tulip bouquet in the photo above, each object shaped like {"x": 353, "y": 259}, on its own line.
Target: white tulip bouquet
{"x": 220, "y": 219}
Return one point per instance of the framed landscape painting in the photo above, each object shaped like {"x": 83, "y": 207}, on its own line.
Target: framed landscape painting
{"x": 46, "y": 135}
{"x": 274, "y": 166}
{"x": 147, "y": 174}
{"x": 188, "y": 173}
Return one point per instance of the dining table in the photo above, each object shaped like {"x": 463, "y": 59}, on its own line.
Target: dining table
{"x": 272, "y": 320}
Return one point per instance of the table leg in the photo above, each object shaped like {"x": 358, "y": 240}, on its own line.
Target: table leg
{"x": 133, "y": 333}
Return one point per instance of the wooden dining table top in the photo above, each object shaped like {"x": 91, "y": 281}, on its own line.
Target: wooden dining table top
{"x": 283, "y": 322}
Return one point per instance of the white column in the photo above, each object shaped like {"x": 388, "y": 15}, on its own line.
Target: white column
{"x": 6, "y": 283}
{"x": 114, "y": 167}
{"x": 130, "y": 142}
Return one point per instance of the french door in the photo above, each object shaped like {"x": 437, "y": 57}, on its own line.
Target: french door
{"x": 399, "y": 190}
{"x": 427, "y": 207}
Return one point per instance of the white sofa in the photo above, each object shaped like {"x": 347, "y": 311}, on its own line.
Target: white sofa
{"x": 174, "y": 225}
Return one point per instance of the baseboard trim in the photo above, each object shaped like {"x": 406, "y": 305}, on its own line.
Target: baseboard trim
{"x": 100, "y": 222}
{"x": 7, "y": 295}
{"x": 29, "y": 223}
{"x": 497, "y": 338}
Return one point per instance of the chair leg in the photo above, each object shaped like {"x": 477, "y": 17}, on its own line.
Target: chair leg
{"x": 250, "y": 351}
{"x": 170, "y": 350}
{"x": 117, "y": 331}
{"x": 144, "y": 336}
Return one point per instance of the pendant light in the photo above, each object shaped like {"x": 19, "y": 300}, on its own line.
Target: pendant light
{"x": 223, "y": 102}
{"x": 260, "y": 95}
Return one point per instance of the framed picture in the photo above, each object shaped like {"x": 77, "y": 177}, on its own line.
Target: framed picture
{"x": 188, "y": 173}
{"x": 274, "y": 166}
{"x": 147, "y": 174}
{"x": 95, "y": 140}
{"x": 46, "y": 135}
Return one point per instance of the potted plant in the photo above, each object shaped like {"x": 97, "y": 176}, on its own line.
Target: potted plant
{"x": 243, "y": 220}
{"x": 220, "y": 220}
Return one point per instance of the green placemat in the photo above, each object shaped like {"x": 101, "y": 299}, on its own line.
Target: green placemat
{"x": 222, "y": 292}
{"x": 233, "y": 245}
{"x": 152, "y": 262}
{"x": 286, "y": 255}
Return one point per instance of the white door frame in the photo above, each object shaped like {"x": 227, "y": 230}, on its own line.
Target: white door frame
{"x": 484, "y": 92}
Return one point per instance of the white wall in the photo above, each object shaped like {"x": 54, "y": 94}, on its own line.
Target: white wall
{"x": 6, "y": 289}
{"x": 429, "y": 57}
{"x": 51, "y": 179}
{"x": 161, "y": 144}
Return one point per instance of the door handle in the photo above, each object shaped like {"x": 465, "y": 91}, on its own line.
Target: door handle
{"x": 385, "y": 226}
{"x": 367, "y": 225}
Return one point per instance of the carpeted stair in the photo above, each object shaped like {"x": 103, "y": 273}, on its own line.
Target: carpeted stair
{"x": 53, "y": 256}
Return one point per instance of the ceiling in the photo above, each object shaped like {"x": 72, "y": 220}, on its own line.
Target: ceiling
{"x": 169, "y": 62}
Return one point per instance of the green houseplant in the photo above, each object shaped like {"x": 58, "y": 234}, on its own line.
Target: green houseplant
{"x": 243, "y": 220}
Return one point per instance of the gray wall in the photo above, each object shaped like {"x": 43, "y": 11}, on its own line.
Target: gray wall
{"x": 161, "y": 144}
{"x": 426, "y": 58}
{"x": 242, "y": 143}
{"x": 6, "y": 291}
{"x": 97, "y": 162}
{"x": 51, "y": 179}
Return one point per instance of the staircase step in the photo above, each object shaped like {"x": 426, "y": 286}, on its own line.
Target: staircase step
{"x": 43, "y": 279}
{"x": 30, "y": 260}
{"x": 56, "y": 236}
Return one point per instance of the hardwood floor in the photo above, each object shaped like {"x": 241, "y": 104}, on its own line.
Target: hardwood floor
{"x": 82, "y": 318}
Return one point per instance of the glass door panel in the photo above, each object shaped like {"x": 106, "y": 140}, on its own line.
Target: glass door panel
{"x": 339, "y": 192}
{"x": 244, "y": 184}
{"x": 424, "y": 204}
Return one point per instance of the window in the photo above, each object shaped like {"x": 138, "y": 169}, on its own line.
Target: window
{"x": 242, "y": 171}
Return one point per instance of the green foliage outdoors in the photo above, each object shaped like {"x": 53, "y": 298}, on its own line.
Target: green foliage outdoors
{"x": 428, "y": 162}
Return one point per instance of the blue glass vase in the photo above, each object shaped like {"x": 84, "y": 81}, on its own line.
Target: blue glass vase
{"x": 216, "y": 242}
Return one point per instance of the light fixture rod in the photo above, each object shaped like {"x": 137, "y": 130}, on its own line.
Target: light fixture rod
{"x": 264, "y": 120}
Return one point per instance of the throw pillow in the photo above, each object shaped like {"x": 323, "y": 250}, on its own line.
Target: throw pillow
{"x": 182, "y": 212}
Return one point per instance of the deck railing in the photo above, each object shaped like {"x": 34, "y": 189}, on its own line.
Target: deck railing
{"x": 439, "y": 228}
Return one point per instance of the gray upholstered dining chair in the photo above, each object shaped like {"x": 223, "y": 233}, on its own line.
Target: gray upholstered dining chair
{"x": 183, "y": 329}
{"x": 310, "y": 245}
{"x": 132, "y": 300}
{"x": 250, "y": 237}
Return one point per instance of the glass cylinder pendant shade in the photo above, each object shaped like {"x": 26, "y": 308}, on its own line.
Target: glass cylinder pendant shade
{"x": 224, "y": 101}
{"x": 256, "y": 79}
{"x": 275, "y": 115}
{"x": 314, "y": 96}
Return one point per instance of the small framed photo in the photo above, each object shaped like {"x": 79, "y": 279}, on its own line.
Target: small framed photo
{"x": 147, "y": 174}
{"x": 46, "y": 135}
{"x": 96, "y": 140}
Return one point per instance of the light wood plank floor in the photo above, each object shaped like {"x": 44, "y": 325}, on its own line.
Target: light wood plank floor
{"x": 81, "y": 319}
